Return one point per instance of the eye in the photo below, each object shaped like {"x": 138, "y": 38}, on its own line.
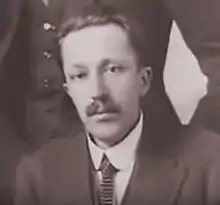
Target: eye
{"x": 113, "y": 68}
{"x": 78, "y": 76}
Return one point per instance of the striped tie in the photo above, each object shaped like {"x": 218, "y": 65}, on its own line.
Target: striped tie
{"x": 106, "y": 192}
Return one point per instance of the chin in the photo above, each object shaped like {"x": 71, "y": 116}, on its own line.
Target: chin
{"x": 107, "y": 133}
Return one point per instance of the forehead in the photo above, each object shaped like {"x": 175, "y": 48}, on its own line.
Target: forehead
{"x": 95, "y": 43}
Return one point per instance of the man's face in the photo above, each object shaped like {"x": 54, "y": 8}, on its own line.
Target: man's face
{"x": 100, "y": 64}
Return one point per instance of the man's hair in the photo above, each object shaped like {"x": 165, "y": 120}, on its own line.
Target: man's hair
{"x": 98, "y": 14}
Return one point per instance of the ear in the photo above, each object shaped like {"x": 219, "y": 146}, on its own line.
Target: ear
{"x": 145, "y": 80}
{"x": 65, "y": 88}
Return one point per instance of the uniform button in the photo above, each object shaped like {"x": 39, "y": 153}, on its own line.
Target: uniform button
{"x": 47, "y": 54}
{"x": 47, "y": 26}
{"x": 53, "y": 28}
{"x": 46, "y": 83}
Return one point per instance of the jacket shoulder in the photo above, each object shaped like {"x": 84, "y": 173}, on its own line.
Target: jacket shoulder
{"x": 54, "y": 149}
{"x": 200, "y": 145}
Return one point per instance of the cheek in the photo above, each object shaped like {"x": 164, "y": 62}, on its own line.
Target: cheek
{"x": 125, "y": 90}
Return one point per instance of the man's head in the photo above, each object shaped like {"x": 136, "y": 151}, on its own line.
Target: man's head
{"x": 105, "y": 73}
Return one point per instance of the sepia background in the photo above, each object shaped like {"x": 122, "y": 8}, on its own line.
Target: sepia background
{"x": 184, "y": 82}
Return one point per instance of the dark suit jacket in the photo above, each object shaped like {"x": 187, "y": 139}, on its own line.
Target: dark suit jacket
{"x": 173, "y": 166}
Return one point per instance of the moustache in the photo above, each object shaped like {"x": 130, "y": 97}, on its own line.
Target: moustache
{"x": 98, "y": 107}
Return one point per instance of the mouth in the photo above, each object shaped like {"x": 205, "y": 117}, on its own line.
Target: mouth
{"x": 105, "y": 116}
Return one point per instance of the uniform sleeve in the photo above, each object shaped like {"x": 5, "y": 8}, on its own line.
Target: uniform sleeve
{"x": 9, "y": 15}
{"x": 27, "y": 183}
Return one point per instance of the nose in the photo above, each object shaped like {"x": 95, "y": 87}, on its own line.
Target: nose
{"x": 97, "y": 87}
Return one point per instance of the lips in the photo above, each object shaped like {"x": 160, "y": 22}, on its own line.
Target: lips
{"x": 105, "y": 116}
{"x": 106, "y": 110}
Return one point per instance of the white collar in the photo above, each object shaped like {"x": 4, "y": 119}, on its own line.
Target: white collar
{"x": 121, "y": 155}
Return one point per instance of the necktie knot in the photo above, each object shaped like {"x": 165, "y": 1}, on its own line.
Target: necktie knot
{"x": 107, "y": 168}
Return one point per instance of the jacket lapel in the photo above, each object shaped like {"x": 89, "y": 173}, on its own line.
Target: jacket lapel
{"x": 155, "y": 183}
{"x": 68, "y": 178}
{"x": 158, "y": 175}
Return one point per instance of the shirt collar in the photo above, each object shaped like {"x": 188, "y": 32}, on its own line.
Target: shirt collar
{"x": 121, "y": 155}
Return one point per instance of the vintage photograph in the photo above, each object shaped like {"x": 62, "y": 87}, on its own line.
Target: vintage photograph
{"x": 109, "y": 102}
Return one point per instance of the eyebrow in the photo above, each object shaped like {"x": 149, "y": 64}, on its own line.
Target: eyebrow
{"x": 105, "y": 62}
{"x": 79, "y": 65}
